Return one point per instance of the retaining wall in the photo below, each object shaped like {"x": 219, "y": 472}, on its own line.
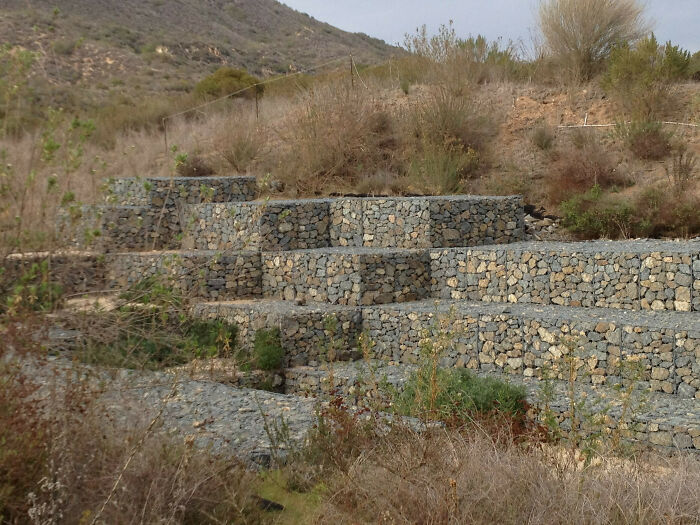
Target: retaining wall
{"x": 637, "y": 275}
{"x": 347, "y": 276}
{"x": 669, "y": 422}
{"x": 408, "y": 222}
{"x": 531, "y": 341}
{"x": 207, "y": 275}
{"x": 75, "y": 272}
{"x": 308, "y": 334}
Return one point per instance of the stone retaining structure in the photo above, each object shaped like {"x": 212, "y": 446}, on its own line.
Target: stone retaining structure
{"x": 205, "y": 275}
{"x": 410, "y": 272}
{"x": 530, "y": 341}
{"x": 645, "y": 275}
{"x": 75, "y": 272}
{"x": 519, "y": 340}
{"x": 635, "y": 275}
{"x": 348, "y": 276}
{"x": 170, "y": 191}
{"x": 106, "y": 228}
{"x": 308, "y": 334}
{"x": 148, "y": 213}
{"x": 390, "y": 222}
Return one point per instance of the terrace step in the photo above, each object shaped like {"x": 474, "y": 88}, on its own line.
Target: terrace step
{"x": 662, "y": 420}
{"x": 147, "y": 214}
{"x": 157, "y": 191}
{"x": 531, "y": 340}
{"x": 110, "y": 228}
{"x": 348, "y": 276}
{"x": 309, "y": 334}
{"x": 634, "y": 275}
{"x": 386, "y": 222}
{"x": 518, "y": 340}
{"x": 639, "y": 275}
{"x": 204, "y": 275}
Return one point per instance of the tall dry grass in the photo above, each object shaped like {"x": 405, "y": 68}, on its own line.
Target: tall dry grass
{"x": 450, "y": 477}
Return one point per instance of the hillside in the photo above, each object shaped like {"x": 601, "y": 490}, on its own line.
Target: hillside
{"x": 93, "y": 52}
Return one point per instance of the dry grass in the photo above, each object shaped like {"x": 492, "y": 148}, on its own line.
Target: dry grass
{"x": 448, "y": 477}
{"x": 579, "y": 168}
{"x": 334, "y": 136}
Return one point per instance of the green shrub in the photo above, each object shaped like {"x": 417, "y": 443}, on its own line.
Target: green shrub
{"x": 267, "y": 350}
{"x": 578, "y": 169}
{"x": 694, "y": 67}
{"x": 226, "y": 81}
{"x": 446, "y": 59}
{"x": 681, "y": 170}
{"x": 440, "y": 172}
{"x": 450, "y": 120}
{"x": 193, "y": 166}
{"x": 459, "y": 395}
{"x": 143, "y": 337}
{"x": 591, "y": 215}
{"x": 653, "y": 213}
{"x": 65, "y": 46}
{"x": 639, "y": 76}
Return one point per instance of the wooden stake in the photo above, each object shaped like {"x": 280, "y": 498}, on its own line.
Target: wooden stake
{"x": 352, "y": 75}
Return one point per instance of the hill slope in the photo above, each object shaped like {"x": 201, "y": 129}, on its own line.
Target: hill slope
{"x": 260, "y": 35}
{"x": 93, "y": 54}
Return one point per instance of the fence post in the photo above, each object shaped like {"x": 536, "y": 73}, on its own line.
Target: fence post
{"x": 352, "y": 75}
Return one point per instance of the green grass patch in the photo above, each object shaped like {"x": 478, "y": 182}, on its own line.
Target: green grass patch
{"x": 299, "y": 507}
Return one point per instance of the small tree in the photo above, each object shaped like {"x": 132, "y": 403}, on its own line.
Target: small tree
{"x": 581, "y": 34}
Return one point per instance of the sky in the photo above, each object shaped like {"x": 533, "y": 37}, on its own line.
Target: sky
{"x": 390, "y": 20}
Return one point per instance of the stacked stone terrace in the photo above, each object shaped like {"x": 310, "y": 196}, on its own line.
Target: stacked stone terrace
{"x": 390, "y": 267}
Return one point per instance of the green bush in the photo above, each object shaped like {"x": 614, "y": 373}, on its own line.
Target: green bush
{"x": 150, "y": 338}
{"x": 437, "y": 171}
{"x": 593, "y": 215}
{"x": 639, "y": 76}
{"x": 226, "y": 81}
{"x": 459, "y": 395}
{"x": 580, "y": 34}
{"x": 193, "y": 166}
{"x": 694, "y": 67}
{"x": 65, "y": 46}
{"x": 267, "y": 350}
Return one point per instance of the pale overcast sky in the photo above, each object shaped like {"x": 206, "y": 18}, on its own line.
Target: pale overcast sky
{"x": 390, "y": 20}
